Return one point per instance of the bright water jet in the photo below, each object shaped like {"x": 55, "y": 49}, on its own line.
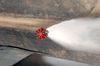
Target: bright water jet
{"x": 77, "y": 34}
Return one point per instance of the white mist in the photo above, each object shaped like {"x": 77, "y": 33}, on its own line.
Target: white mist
{"x": 77, "y": 34}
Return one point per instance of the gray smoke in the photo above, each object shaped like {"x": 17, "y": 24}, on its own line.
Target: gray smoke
{"x": 77, "y": 34}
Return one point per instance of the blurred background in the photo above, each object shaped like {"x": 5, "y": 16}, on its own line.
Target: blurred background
{"x": 19, "y": 20}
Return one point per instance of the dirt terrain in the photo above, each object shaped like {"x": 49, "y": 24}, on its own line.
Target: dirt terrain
{"x": 31, "y": 24}
{"x": 29, "y": 40}
{"x": 19, "y": 19}
{"x": 51, "y": 9}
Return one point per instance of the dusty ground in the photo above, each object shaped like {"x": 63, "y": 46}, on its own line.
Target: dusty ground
{"x": 29, "y": 40}
{"x": 25, "y": 23}
{"x": 51, "y": 9}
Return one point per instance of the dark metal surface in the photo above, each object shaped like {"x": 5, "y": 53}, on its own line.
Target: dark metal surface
{"x": 40, "y": 60}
